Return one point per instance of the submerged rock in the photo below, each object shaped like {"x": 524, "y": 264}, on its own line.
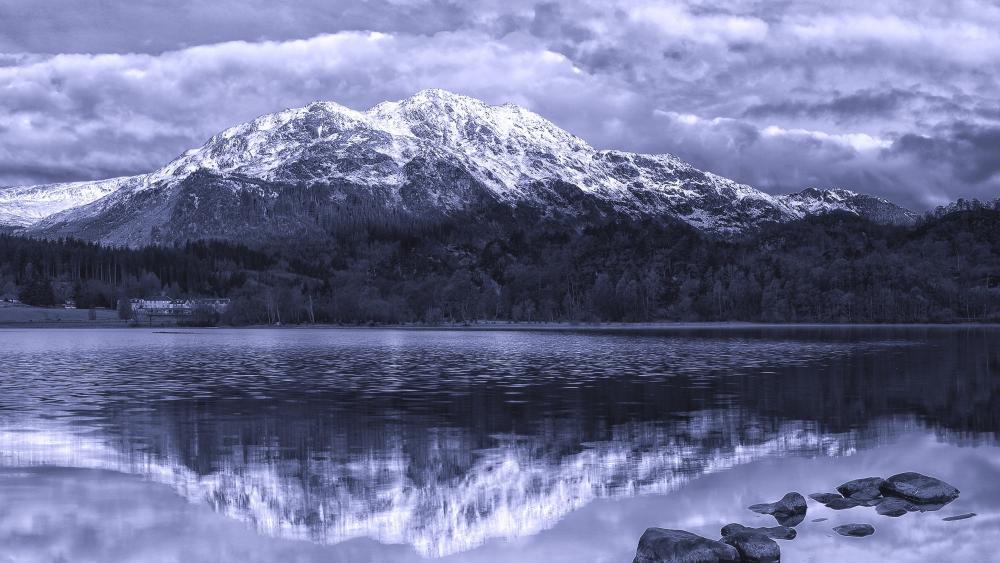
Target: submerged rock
{"x": 894, "y": 507}
{"x": 862, "y": 490}
{"x": 842, "y": 503}
{"x": 660, "y": 545}
{"x": 824, "y": 498}
{"x": 919, "y": 489}
{"x": 774, "y": 532}
{"x": 789, "y": 511}
{"x": 752, "y": 544}
{"x": 855, "y": 530}
{"x": 820, "y": 519}
{"x": 959, "y": 517}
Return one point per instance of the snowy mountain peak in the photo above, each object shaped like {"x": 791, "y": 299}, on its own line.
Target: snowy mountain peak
{"x": 434, "y": 152}
{"x": 815, "y": 201}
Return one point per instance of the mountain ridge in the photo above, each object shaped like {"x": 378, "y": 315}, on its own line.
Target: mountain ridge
{"x": 435, "y": 153}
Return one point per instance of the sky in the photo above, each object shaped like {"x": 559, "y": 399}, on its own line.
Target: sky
{"x": 895, "y": 98}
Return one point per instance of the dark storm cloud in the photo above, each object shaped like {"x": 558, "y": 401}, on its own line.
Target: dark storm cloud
{"x": 857, "y": 105}
{"x": 865, "y": 94}
{"x": 972, "y": 150}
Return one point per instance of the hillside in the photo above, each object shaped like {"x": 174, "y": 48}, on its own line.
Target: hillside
{"x": 836, "y": 267}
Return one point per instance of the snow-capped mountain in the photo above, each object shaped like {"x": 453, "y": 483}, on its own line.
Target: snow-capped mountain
{"x": 23, "y": 205}
{"x": 814, "y": 201}
{"x": 436, "y": 153}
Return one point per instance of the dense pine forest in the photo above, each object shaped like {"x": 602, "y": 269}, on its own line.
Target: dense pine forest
{"x": 833, "y": 268}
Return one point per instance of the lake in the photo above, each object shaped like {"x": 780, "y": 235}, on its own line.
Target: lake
{"x": 302, "y": 445}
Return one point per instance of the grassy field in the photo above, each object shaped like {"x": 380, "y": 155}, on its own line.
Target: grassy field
{"x": 24, "y": 315}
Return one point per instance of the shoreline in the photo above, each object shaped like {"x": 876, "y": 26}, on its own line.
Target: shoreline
{"x": 499, "y": 326}
{"x": 27, "y": 317}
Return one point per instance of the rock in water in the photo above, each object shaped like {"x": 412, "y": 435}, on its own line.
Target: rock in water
{"x": 855, "y": 530}
{"x": 919, "y": 488}
{"x": 752, "y": 545}
{"x": 842, "y": 503}
{"x": 659, "y": 545}
{"x": 775, "y": 532}
{"x": 959, "y": 517}
{"x": 894, "y": 507}
{"x": 862, "y": 490}
{"x": 789, "y": 511}
{"x": 824, "y": 498}
{"x": 820, "y": 519}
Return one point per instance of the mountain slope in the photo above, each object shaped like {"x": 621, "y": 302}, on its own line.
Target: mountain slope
{"x": 813, "y": 201}
{"x": 21, "y": 206}
{"x": 433, "y": 155}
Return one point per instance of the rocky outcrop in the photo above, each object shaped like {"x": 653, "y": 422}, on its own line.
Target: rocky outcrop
{"x": 862, "y": 490}
{"x": 753, "y": 545}
{"x": 757, "y": 544}
{"x": 789, "y": 511}
{"x": 919, "y": 488}
{"x": 660, "y": 545}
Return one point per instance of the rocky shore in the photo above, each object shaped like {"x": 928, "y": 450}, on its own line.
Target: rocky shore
{"x": 892, "y": 497}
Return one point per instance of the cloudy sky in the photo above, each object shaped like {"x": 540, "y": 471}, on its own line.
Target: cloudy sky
{"x": 896, "y": 98}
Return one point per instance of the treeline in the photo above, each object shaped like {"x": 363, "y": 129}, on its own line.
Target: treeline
{"x": 832, "y": 268}
{"x": 47, "y": 273}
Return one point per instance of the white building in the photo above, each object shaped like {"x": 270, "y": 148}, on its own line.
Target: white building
{"x": 164, "y": 308}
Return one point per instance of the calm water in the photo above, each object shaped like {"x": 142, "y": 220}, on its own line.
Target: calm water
{"x": 385, "y": 445}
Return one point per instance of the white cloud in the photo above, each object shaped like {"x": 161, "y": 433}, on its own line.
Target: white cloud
{"x": 676, "y": 21}
{"x": 599, "y": 68}
{"x": 856, "y": 141}
{"x": 100, "y": 115}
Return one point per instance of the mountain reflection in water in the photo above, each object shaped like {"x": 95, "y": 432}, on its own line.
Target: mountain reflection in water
{"x": 444, "y": 440}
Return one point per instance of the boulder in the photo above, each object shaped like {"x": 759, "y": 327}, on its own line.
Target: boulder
{"x": 919, "y": 488}
{"x": 855, "y": 530}
{"x": 774, "y": 532}
{"x": 862, "y": 490}
{"x": 753, "y": 545}
{"x": 824, "y": 498}
{"x": 789, "y": 511}
{"x": 659, "y": 545}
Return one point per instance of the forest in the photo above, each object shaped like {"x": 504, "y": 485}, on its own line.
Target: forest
{"x": 835, "y": 268}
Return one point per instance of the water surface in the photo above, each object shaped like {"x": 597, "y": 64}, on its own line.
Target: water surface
{"x": 416, "y": 445}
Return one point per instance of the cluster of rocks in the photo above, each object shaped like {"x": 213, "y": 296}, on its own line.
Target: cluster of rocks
{"x": 895, "y": 496}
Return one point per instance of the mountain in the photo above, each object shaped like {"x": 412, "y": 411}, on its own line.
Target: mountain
{"x": 305, "y": 171}
{"x": 23, "y": 205}
{"x": 814, "y": 201}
